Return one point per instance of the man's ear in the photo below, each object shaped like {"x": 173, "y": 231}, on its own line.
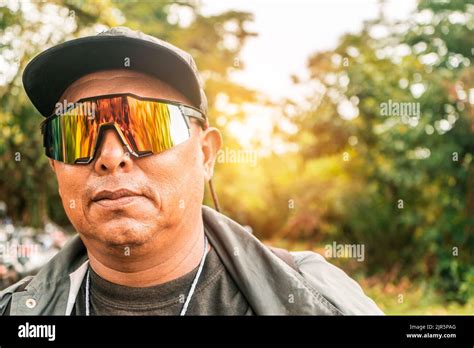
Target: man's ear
{"x": 211, "y": 142}
{"x": 51, "y": 164}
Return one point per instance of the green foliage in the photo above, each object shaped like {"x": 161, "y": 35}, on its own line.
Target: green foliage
{"x": 418, "y": 298}
{"x": 411, "y": 203}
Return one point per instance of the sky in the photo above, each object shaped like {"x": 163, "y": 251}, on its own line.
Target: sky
{"x": 288, "y": 33}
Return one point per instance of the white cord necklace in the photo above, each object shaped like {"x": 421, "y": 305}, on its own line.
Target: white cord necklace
{"x": 188, "y": 297}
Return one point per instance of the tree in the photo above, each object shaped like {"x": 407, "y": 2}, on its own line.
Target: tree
{"x": 410, "y": 201}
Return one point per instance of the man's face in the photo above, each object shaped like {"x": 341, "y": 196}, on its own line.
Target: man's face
{"x": 168, "y": 187}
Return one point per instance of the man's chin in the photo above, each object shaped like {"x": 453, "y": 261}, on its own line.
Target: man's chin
{"x": 122, "y": 235}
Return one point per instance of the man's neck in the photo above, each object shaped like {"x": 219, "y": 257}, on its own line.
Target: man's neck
{"x": 148, "y": 265}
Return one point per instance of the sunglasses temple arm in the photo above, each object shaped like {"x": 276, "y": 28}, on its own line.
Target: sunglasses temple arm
{"x": 214, "y": 196}
{"x": 189, "y": 112}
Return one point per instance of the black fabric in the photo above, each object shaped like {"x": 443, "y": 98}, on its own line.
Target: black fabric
{"x": 215, "y": 294}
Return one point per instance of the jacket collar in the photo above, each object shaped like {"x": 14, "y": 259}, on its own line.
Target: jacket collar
{"x": 270, "y": 286}
{"x": 55, "y": 285}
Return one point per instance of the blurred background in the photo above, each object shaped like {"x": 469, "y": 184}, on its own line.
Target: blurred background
{"x": 348, "y": 130}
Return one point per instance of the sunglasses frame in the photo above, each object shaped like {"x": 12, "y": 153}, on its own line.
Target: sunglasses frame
{"x": 187, "y": 112}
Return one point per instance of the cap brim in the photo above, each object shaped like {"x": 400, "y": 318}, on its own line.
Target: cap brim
{"x": 48, "y": 75}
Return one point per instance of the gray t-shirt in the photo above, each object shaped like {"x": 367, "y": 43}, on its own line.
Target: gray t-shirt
{"x": 215, "y": 294}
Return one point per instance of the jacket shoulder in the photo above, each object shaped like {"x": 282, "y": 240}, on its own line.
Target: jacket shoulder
{"x": 334, "y": 284}
{"x": 6, "y": 294}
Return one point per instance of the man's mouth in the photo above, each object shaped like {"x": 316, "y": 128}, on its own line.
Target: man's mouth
{"x": 116, "y": 198}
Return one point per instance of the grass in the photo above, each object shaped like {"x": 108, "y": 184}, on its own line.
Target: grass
{"x": 413, "y": 299}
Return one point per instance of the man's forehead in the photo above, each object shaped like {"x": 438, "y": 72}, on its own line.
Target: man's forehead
{"x": 121, "y": 81}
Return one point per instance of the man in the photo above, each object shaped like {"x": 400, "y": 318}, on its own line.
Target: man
{"x": 129, "y": 141}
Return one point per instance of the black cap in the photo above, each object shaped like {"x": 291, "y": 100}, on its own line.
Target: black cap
{"x": 47, "y": 76}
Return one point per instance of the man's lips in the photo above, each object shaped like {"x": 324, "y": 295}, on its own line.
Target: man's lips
{"x": 116, "y": 198}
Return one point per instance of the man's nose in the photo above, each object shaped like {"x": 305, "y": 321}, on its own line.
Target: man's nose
{"x": 112, "y": 155}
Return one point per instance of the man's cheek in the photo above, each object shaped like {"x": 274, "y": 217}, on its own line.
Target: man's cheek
{"x": 170, "y": 193}
{"x": 174, "y": 190}
{"x": 70, "y": 203}
{"x": 189, "y": 191}
{"x": 71, "y": 199}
